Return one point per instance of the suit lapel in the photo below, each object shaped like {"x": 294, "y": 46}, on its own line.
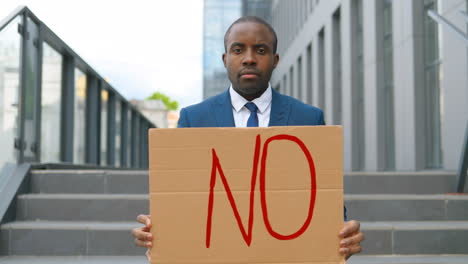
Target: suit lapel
{"x": 222, "y": 109}
{"x": 279, "y": 110}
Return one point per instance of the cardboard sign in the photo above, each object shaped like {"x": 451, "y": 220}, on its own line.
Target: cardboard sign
{"x": 246, "y": 195}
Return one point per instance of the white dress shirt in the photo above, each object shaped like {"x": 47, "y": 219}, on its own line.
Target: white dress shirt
{"x": 241, "y": 113}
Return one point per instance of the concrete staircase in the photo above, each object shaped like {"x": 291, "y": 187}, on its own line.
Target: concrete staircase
{"x": 408, "y": 218}
{"x": 77, "y": 213}
{"x": 86, "y": 217}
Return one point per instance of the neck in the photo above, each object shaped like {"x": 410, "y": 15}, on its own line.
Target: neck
{"x": 251, "y": 97}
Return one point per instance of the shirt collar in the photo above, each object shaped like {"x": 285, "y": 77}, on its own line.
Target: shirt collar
{"x": 261, "y": 102}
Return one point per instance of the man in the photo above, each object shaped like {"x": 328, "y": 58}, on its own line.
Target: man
{"x": 250, "y": 57}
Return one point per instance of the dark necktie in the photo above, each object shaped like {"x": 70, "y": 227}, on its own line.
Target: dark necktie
{"x": 253, "y": 119}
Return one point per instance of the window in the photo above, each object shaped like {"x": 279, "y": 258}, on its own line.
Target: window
{"x": 432, "y": 100}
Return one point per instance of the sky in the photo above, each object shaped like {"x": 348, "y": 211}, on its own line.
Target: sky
{"x": 139, "y": 46}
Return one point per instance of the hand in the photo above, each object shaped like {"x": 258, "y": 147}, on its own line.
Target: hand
{"x": 351, "y": 239}
{"x": 142, "y": 235}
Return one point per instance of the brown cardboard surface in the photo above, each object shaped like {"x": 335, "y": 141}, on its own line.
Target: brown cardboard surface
{"x": 181, "y": 170}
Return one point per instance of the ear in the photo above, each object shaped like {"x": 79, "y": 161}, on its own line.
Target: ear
{"x": 224, "y": 59}
{"x": 275, "y": 60}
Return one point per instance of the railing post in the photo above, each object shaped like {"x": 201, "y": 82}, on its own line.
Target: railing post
{"x": 124, "y": 136}
{"x": 142, "y": 143}
{"x": 92, "y": 121}
{"x": 68, "y": 108}
{"x": 134, "y": 137}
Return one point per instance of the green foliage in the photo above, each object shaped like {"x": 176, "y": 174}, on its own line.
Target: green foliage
{"x": 170, "y": 105}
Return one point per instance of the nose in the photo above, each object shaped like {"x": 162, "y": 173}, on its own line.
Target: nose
{"x": 249, "y": 58}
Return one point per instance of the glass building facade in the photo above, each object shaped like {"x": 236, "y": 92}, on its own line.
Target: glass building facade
{"x": 217, "y": 17}
{"x": 259, "y": 8}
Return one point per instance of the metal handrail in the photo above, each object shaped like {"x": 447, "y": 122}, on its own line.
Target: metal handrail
{"x": 463, "y": 164}
{"x": 97, "y": 82}
{"x": 18, "y": 11}
{"x": 441, "y": 20}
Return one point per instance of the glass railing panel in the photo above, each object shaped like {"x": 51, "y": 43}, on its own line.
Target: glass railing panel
{"x": 51, "y": 104}
{"x": 79, "y": 118}
{"x": 104, "y": 130}
{"x": 118, "y": 125}
{"x": 10, "y": 54}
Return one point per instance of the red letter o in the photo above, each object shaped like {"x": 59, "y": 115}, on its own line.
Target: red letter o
{"x": 313, "y": 187}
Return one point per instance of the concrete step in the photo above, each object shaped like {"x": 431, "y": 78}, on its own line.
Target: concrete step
{"x": 416, "y": 237}
{"x": 125, "y": 207}
{"x": 81, "y": 207}
{"x": 99, "y": 238}
{"x": 90, "y": 181}
{"x": 421, "y": 182}
{"x": 393, "y": 207}
{"x": 61, "y": 238}
{"x": 408, "y": 259}
{"x": 112, "y": 181}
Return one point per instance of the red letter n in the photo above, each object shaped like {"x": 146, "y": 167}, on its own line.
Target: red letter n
{"x": 216, "y": 166}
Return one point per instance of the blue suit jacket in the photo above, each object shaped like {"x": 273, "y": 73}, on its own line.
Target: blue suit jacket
{"x": 217, "y": 112}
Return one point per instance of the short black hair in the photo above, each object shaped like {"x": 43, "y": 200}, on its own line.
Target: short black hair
{"x": 252, "y": 19}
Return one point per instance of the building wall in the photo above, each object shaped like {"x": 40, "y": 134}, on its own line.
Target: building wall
{"x": 395, "y": 133}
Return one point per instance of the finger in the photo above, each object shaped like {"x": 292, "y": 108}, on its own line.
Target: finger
{"x": 353, "y": 250}
{"x": 144, "y": 219}
{"x": 142, "y": 243}
{"x": 343, "y": 251}
{"x": 353, "y": 240}
{"x": 140, "y": 234}
{"x": 349, "y": 228}
{"x": 349, "y": 251}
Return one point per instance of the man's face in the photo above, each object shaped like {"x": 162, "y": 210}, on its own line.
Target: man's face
{"x": 249, "y": 58}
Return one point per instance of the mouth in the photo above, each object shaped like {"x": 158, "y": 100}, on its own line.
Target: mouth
{"x": 249, "y": 74}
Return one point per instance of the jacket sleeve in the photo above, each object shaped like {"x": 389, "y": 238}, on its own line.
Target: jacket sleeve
{"x": 183, "y": 121}
{"x": 321, "y": 120}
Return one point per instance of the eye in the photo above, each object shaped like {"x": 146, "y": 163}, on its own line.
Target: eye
{"x": 236, "y": 50}
{"x": 261, "y": 50}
